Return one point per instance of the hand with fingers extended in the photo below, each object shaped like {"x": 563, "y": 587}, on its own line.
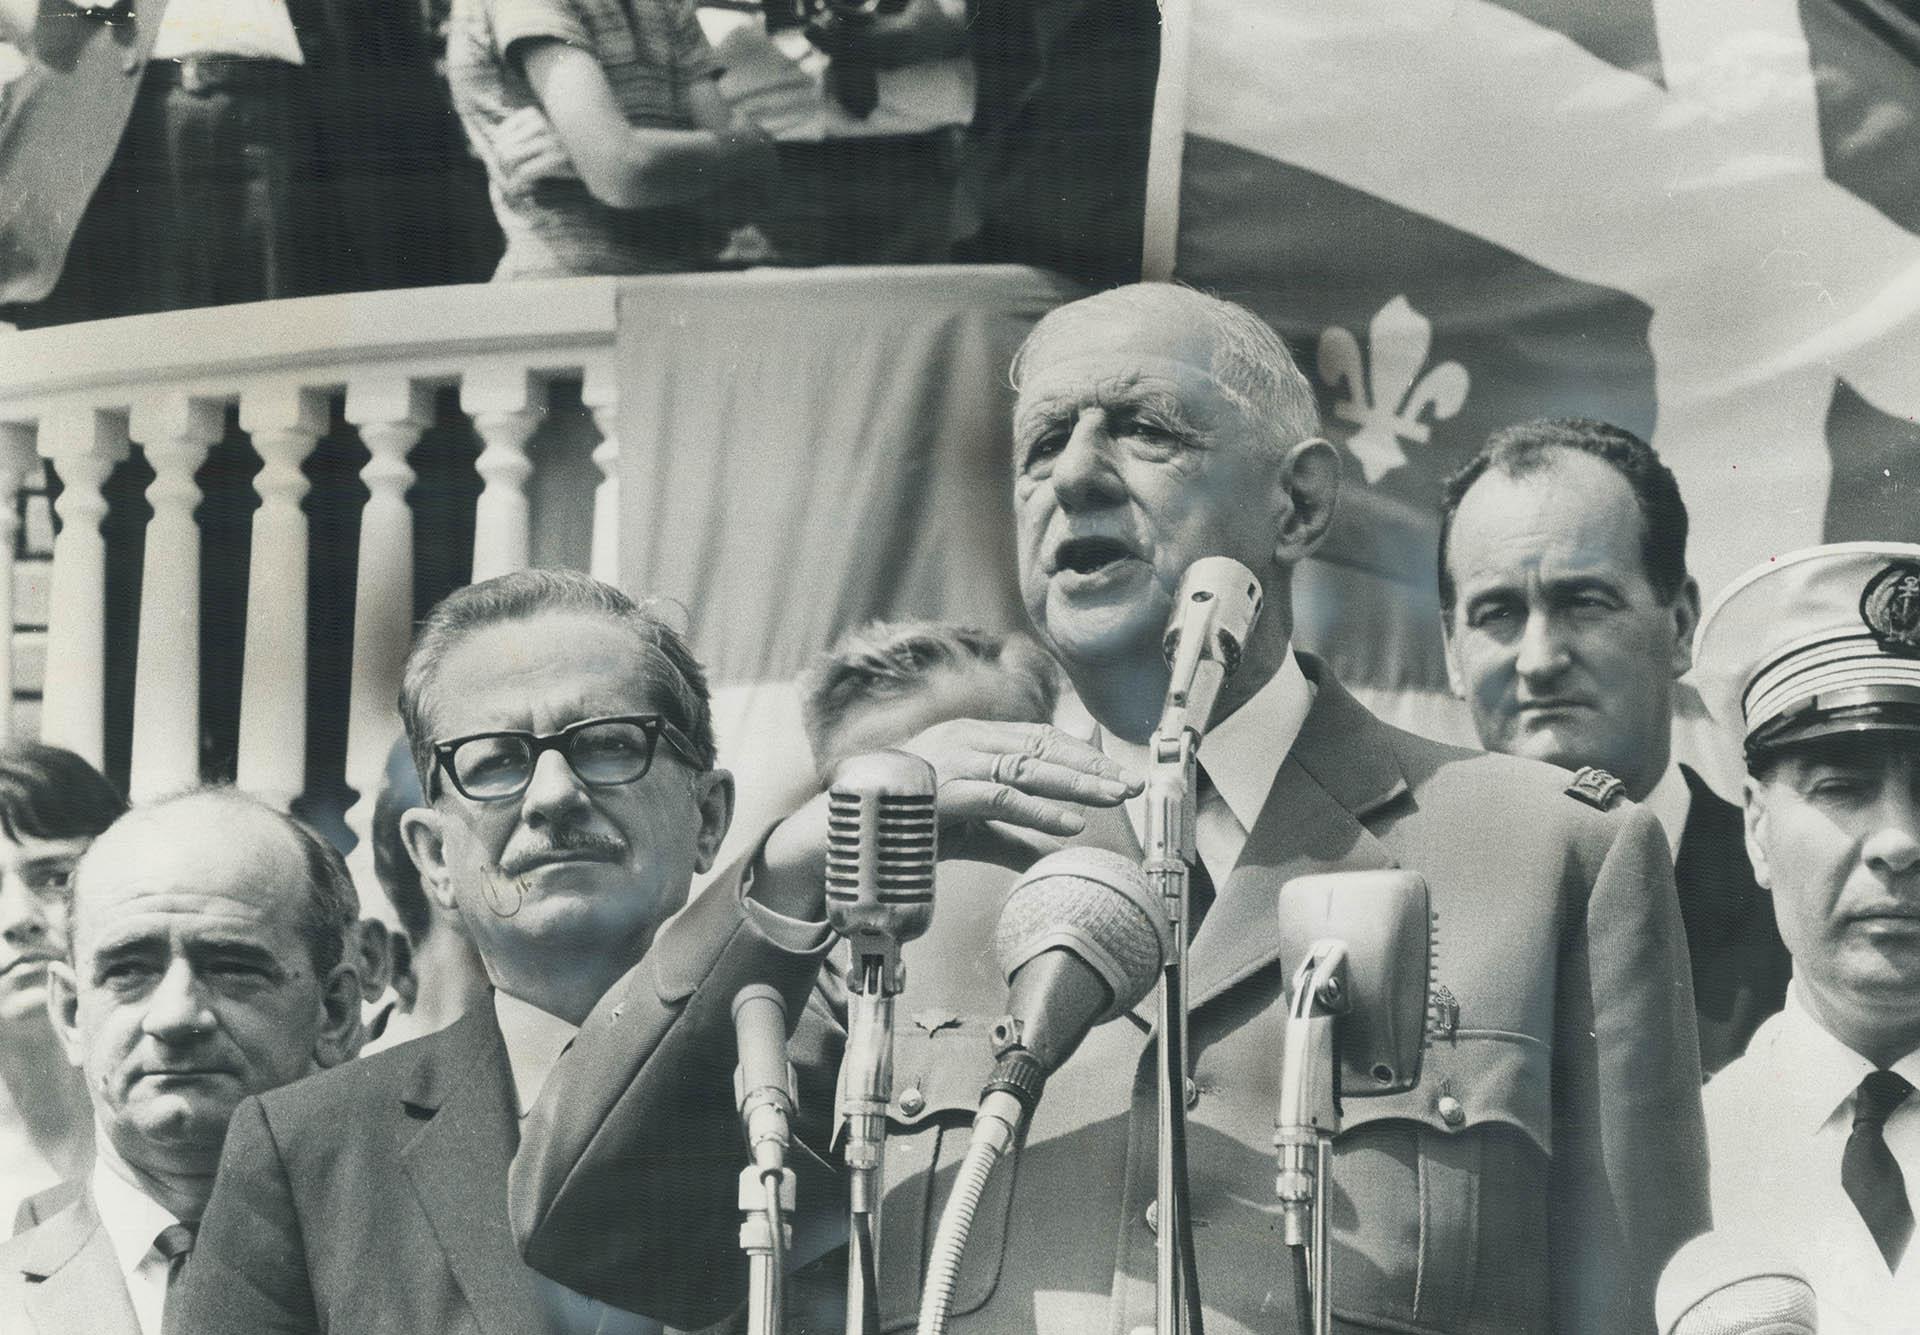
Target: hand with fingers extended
{"x": 1007, "y": 792}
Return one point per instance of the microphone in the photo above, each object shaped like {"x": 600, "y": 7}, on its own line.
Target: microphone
{"x": 762, "y": 1083}
{"x": 881, "y": 847}
{"x": 1081, "y": 938}
{"x": 1213, "y": 613}
{"x": 1383, "y": 920}
{"x": 1730, "y": 1283}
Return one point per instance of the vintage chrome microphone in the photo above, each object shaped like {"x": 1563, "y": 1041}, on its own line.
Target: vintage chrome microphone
{"x": 881, "y": 846}
{"x": 1356, "y": 1025}
{"x": 1213, "y": 614}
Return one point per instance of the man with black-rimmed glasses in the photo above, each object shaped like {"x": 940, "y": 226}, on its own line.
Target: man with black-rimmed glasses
{"x": 565, "y": 747}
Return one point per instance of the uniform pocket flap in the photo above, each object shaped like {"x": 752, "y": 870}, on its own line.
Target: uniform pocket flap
{"x": 940, "y": 1064}
{"x": 1473, "y": 1078}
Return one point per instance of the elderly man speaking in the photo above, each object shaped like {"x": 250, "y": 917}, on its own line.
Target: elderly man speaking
{"x": 1551, "y": 1157}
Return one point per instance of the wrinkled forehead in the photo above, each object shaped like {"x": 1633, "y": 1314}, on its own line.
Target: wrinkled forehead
{"x": 545, "y": 671}
{"x": 1090, "y": 344}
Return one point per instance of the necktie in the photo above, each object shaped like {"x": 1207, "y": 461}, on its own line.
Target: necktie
{"x": 1214, "y": 828}
{"x": 1868, "y": 1172}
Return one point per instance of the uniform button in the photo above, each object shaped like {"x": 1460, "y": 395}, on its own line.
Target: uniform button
{"x": 912, "y": 1101}
{"x": 1153, "y": 1216}
{"x": 1450, "y": 1110}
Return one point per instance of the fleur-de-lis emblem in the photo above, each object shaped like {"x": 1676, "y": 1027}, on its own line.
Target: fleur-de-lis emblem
{"x": 1387, "y": 405}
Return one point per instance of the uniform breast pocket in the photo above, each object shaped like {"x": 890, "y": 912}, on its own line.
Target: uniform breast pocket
{"x": 940, "y": 1063}
{"x": 1440, "y": 1194}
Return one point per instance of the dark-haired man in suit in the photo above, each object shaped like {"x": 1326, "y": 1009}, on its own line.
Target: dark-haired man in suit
{"x": 1569, "y": 616}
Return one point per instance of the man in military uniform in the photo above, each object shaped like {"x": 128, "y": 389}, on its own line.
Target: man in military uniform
{"x": 1569, "y": 617}
{"x": 1814, "y": 660}
{"x": 1551, "y": 1156}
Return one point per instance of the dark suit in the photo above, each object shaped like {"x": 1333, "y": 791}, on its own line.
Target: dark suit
{"x": 373, "y": 1197}
{"x": 1549, "y": 1162}
{"x": 61, "y": 1278}
{"x": 1740, "y": 964}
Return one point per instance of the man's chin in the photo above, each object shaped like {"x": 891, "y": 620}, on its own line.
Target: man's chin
{"x": 1105, "y": 635}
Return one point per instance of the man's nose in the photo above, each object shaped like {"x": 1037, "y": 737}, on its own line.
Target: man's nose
{"x": 555, "y": 791}
{"x": 1543, "y": 652}
{"x": 177, "y": 1008}
{"x": 1084, "y": 475}
{"x": 1893, "y": 849}
{"x": 23, "y": 919}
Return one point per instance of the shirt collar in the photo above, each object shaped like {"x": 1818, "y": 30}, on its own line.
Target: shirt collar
{"x": 131, "y": 1218}
{"x": 1241, "y": 753}
{"x": 535, "y": 1039}
{"x": 1825, "y": 1072}
{"x": 1670, "y": 801}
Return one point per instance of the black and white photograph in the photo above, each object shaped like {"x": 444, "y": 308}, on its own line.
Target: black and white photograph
{"x": 1008, "y": 667}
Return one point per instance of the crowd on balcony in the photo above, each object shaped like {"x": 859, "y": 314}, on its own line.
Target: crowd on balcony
{"x": 200, "y": 152}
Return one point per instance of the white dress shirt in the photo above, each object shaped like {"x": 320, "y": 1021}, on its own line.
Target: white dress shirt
{"x": 1671, "y": 801}
{"x": 1778, "y": 1119}
{"x": 133, "y": 1221}
{"x": 261, "y": 29}
{"x": 1241, "y": 755}
{"x": 535, "y": 1039}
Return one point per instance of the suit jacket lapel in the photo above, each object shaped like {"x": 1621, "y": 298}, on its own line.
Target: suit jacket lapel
{"x": 79, "y": 1285}
{"x": 458, "y": 1167}
{"x": 1340, "y": 769}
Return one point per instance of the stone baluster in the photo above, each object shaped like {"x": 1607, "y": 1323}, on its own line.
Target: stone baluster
{"x": 390, "y": 413}
{"x": 600, "y": 393}
{"x": 175, "y": 432}
{"x": 506, "y": 405}
{"x": 83, "y": 445}
{"x": 17, "y": 462}
{"x": 285, "y": 422}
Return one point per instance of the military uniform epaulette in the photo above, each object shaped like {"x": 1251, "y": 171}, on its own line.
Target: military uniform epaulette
{"x": 1596, "y": 788}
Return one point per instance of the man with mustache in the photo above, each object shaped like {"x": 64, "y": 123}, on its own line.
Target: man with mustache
{"x": 566, "y": 753}
{"x": 1551, "y": 1157}
{"x": 209, "y": 962}
{"x": 1569, "y": 616}
{"x": 1813, "y": 660}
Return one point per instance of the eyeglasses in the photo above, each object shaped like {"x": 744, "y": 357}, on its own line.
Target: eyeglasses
{"x": 604, "y": 753}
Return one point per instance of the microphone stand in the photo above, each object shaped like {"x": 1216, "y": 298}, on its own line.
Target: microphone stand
{"x": 766, "y": 1198}
{"x": 873, "y": 983}
{"x": 1307, "y": 1121}
{"x": 1170, "y": 850}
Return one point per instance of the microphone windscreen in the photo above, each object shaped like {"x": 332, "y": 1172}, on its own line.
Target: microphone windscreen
{"x": 1096, "y": 904}
{"x": 1728, "y": 1283}
{"x": 882, "y": 828}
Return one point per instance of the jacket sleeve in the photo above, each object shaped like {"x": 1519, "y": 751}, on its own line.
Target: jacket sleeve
{"x": 1629, "y": 1156}
{"x": 247, "y": 1274}
{"x": 624, "y": 1186}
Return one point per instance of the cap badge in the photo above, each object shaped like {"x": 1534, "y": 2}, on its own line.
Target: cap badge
{"x": 1891, "y": 608}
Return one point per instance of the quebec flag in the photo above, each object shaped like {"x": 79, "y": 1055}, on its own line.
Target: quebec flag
{"x": 1699, "y": 219}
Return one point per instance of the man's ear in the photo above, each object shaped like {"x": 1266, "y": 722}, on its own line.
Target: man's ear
{"x": 1309, "y": 482}
{"x": 713, "y": 796}
{"x": 1686, "y": 620}
{"x": 1754, "y": 797}
{"x": 63, "y": 1008}
{"x": 373, "y": 947}
{"x": 423, "y": 832}
{"x": 340, "y": 1034}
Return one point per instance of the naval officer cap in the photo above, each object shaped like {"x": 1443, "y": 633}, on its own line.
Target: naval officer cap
{"x": 1815, "y": 642}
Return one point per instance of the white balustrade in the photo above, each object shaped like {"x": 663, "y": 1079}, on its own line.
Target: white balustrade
{"x": 175, "y": 431}
{"x": 72, "y": 393}
{"x": 17, "y": 461}
{"x": 83, "y": 444}
{"x": 506, "y": 404}
{"x": 600, "y": 392}
{"x": 285, "y": 422}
